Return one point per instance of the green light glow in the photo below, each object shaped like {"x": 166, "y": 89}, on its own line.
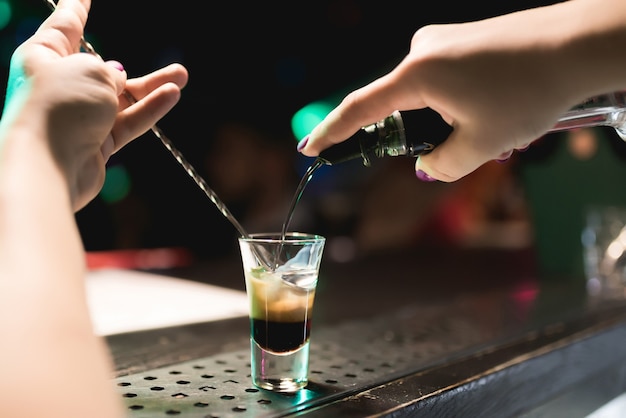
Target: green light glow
{"x": 5, "y": 13}
{"x": 116, "y": 184}
{"x": 305, "y": 119}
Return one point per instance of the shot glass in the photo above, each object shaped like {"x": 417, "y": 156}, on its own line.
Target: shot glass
{"x": 281, "y": 277}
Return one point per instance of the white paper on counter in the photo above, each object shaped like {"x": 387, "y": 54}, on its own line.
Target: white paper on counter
{"x": 127, "y": 301}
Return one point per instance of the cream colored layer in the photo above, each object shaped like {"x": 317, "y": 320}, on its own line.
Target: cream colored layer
{"x": 273, "y": 299}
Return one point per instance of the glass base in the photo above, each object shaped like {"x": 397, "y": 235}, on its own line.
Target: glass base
{"x": 280, "y": 372}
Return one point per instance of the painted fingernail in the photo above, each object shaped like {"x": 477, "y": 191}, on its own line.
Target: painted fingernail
{"x": 423, "y": 176}
{"x": 302, "y": 143}
{"x": 504, "y": 157}
{"x": 115, "y": 64}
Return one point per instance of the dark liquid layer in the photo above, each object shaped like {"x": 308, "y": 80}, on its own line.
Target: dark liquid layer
{"x": 280, "y": 337}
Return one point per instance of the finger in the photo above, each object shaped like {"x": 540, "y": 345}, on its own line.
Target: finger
{"x": 144, "y": 114}
{"x": 362, "y": 107}
{"x": 119, "y": 75}
{"x": 456, "y": 157}
{"x": 62, "y": 30}
{"x": 141, "y": 86}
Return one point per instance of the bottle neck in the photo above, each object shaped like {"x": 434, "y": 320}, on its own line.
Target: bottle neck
{"x": 604, "y": 110}
{"x": 409, "y": 133}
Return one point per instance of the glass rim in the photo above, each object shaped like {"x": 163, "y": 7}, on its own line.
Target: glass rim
{"x": 268, "y": 237}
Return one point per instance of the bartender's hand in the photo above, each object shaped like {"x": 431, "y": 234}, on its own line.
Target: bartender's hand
{"x": 75, "y": 101}
{"x": 501, "y": 82}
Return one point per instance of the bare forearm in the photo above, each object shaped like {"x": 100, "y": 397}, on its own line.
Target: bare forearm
{"x": 43, "y": 315}
{"x": 593, "y": 33}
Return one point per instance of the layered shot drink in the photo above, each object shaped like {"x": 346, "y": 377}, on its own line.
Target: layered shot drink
{"x": 281, "y": 277}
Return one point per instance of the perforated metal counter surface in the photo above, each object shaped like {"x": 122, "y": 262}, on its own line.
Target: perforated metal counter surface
{"x": 484, "y": 353}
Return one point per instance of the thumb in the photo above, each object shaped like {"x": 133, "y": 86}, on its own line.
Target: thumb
{"x": 451, "y": 160}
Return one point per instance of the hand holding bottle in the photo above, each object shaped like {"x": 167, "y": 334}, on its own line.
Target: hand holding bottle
{"x": 501, "y": 83}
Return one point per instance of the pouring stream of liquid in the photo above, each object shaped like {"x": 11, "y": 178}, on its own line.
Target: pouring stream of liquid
{"x": 294, "y": 202}
{"x": 296, "y": 198}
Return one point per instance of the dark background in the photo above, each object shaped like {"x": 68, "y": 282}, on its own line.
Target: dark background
{"x": 252, "y": 63}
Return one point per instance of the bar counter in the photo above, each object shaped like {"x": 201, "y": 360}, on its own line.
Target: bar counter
{"x": 411, "y": 333}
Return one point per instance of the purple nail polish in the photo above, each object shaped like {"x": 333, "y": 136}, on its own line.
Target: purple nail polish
{"x": 423, "y": 176}
{"x": 115, "y": 64}
{"x": 504, "y": 157}
{"x": 302, "y": 143}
